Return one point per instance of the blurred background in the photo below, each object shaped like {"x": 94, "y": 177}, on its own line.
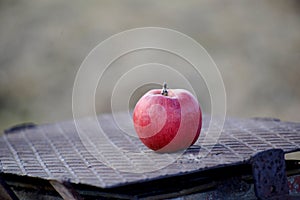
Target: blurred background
{"x": 255, "y": 44}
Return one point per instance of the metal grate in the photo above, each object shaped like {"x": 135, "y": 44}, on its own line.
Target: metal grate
{"x": 55, "y": 152}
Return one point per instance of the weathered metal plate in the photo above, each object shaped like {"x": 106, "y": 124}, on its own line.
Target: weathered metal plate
{"x": 55, "y": 151}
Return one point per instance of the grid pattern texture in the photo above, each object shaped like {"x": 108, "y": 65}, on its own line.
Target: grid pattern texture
{"x": 56, "y": 152}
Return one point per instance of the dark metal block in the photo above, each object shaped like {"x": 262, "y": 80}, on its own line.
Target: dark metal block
{"x": 269, "y": 174}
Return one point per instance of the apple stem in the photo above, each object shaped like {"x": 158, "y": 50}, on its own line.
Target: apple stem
{"x": 164, "y": 90}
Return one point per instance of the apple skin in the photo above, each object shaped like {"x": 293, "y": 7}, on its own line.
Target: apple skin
{"x": 169, "y": 123}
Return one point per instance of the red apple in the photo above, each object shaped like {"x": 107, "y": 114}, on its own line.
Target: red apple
{"x": 167, "y": 120}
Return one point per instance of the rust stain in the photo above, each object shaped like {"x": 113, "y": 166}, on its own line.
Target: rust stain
{"x": 294, "y": 184}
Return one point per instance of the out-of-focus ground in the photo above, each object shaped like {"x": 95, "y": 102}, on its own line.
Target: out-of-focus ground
{"x": 255, "y": 44}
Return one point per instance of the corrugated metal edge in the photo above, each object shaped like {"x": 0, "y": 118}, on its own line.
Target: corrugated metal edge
{"x": 110, "y": 186}
{"x": 246, "y": 161}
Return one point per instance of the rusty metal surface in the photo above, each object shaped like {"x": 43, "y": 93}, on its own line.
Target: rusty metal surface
{"x": 294, "y": 184}
{"x": 55, "y": 151}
